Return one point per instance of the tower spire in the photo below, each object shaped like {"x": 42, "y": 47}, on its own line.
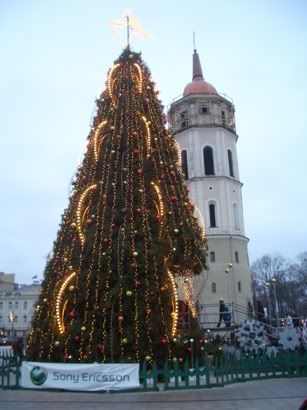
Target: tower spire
{"x": 197, "y": 71}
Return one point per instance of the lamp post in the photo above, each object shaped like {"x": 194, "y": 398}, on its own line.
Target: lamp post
{"x": 11, "y": 319}
{"x": 276, "y": 304}
{"x": 267, "y": 286}
{"x": 227, "y": 270}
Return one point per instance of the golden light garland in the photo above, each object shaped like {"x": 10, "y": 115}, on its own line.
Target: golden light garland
{"x": 175, "y": 312}
{"x": 95, "y": 139}
{"x": 59, "y": 315}
{"x": 140, "y": 77}
{"x": 188, "y": 294}
{"x": 179, "y": 163}
{"x": 148, "y": 139}
{"x": 80, "y": 217}
{"x": 200, "y": 219}
{"x": 109, "y": 81}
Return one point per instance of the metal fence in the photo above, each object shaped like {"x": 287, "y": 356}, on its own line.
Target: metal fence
{"x": 207, "y": 372}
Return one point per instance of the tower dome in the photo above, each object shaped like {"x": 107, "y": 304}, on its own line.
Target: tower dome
{"x": 198, "y": 85}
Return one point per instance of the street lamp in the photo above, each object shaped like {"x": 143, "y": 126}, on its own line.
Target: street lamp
{"x": 276, "y": 304}
{"x": 267, "y": 286}
{"x": 227, "y": 270}
{"x": 11, "y": 319}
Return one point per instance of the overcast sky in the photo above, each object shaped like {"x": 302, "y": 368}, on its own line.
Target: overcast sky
{"x": 54, "y": 59}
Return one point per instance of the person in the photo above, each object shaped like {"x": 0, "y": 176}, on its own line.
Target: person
{"x": 221, "y": 312}
{"x": 18, "y": 347}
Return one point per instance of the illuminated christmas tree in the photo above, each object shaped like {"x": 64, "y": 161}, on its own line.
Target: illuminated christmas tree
{"x": 126, "y": 238}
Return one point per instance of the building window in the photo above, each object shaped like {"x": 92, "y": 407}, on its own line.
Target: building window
{"x": 236, "y": 216}
{"x": 10, "y": 305}
{"x": 213, "y": 286}
{"x": 25, "y": 319}
{"x": 16, "y": 305}
{"x": 203, "y": 110}
{"x": 184, "y": 164}
{"x": 25, "y": 305}
{"x": 208, "y": 161}
{"x": 212, "y": 256}
{"x": 230, "y": 163}
{"x": 212, "y": 216}
{"x": 0, "y": 319}
{"x": 239, "y": 286}
{"x": 1, "y": 305}
{"x": 237, "y": 257}
{"x": 184, "y": 119}
{"x": 223, "y": 117}
{"x": 16, "y": 318}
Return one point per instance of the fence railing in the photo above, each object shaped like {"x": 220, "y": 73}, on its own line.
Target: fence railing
{"x": 207, "y": 371}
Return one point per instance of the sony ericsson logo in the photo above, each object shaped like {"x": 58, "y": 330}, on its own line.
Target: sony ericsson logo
{"x": 38, "y": 375}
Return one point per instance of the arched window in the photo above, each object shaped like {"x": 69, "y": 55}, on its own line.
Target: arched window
{"x": 184, "y": 164}
{"x": 212, "y": 216}
{"x": 213, "y": 287}
{"x": 208, "y": 161}
{"x": 236, "y": 216}
{"x": 212, "y": 256}
{"x": 230, "y": 163}
{"x": 237, "y": 257}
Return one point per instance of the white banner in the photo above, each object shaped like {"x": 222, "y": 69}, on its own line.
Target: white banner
{"x": 74, "y": 376}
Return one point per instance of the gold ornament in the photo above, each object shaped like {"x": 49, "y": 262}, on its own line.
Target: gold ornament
{"x": 125, "y": 341}
{"x": 83, "y": 328}
{"x": 135, "y": 253}
{"x": 129, "y": 293}
{"x": 71, "y": 288}
{"x": 57, "y": 343}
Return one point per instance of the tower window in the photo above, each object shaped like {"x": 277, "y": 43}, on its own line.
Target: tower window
{"x": 239, "y": 286}
{"x": 237, "y": 257}
{"x": 25, "y": 305}
{"x": 208, "y": 161}
{"x": 184, "y": 164}
{"x": 203, "y": 110}
{"x": 230, "y": 163}
{"x": 212, "y": 216}
{"x": 212, "y": 256}
{"x": 223, "y": 117}
{"x": 213, "y": 287}
{"x": 184, "y": 119}
{"x": 236, "y": 216}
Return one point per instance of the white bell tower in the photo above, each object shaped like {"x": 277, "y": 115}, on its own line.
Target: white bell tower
{"x": 203, "y": 123}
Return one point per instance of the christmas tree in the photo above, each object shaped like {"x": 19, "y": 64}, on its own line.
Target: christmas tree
{"x": 128, "y": 235}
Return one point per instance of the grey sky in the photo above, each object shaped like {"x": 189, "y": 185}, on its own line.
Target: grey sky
{"x": 54, "y": 58}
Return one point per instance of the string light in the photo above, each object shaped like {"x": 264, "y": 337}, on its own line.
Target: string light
{"x": 140, "y": 77}
{"x": 175, "y": 311}
{"x": 96, "y": 144}
{"x": 59, "y": 316}
{"x": 79, "y": 212}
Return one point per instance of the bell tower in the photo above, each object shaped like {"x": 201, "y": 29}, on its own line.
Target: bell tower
{"x": 203, "y": 123}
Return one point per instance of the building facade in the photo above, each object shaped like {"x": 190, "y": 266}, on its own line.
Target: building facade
{"x": 203, "y": 123}
{"x": 16, "y": 309}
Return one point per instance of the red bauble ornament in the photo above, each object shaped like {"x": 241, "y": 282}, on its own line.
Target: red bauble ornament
{"x": 139, "y": 210}
{"x": 77, "y": 339}
{"x": 173, "y": 198}
{"x": 106, "y": 241}
{"x": 66, "y": 358}
{"x": 134, "y": 265}
{"x": 162, "y": 176}
{"x": 137, "y": 283}
{"x": 100, "y": 347}
{"x": 120, "y": 318}
{"x": 139, "y": 171}
{"x": 113, "y": 226}
{"x": 136, "y": 151}
{"x": 89, "y": 221}
{"x": 163, "y": 341}
{"x": 189, "y": 349}
{"x": 72, "y": 314}
{"x": 158, "y": 217}
{"x": 172, "y": 173}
